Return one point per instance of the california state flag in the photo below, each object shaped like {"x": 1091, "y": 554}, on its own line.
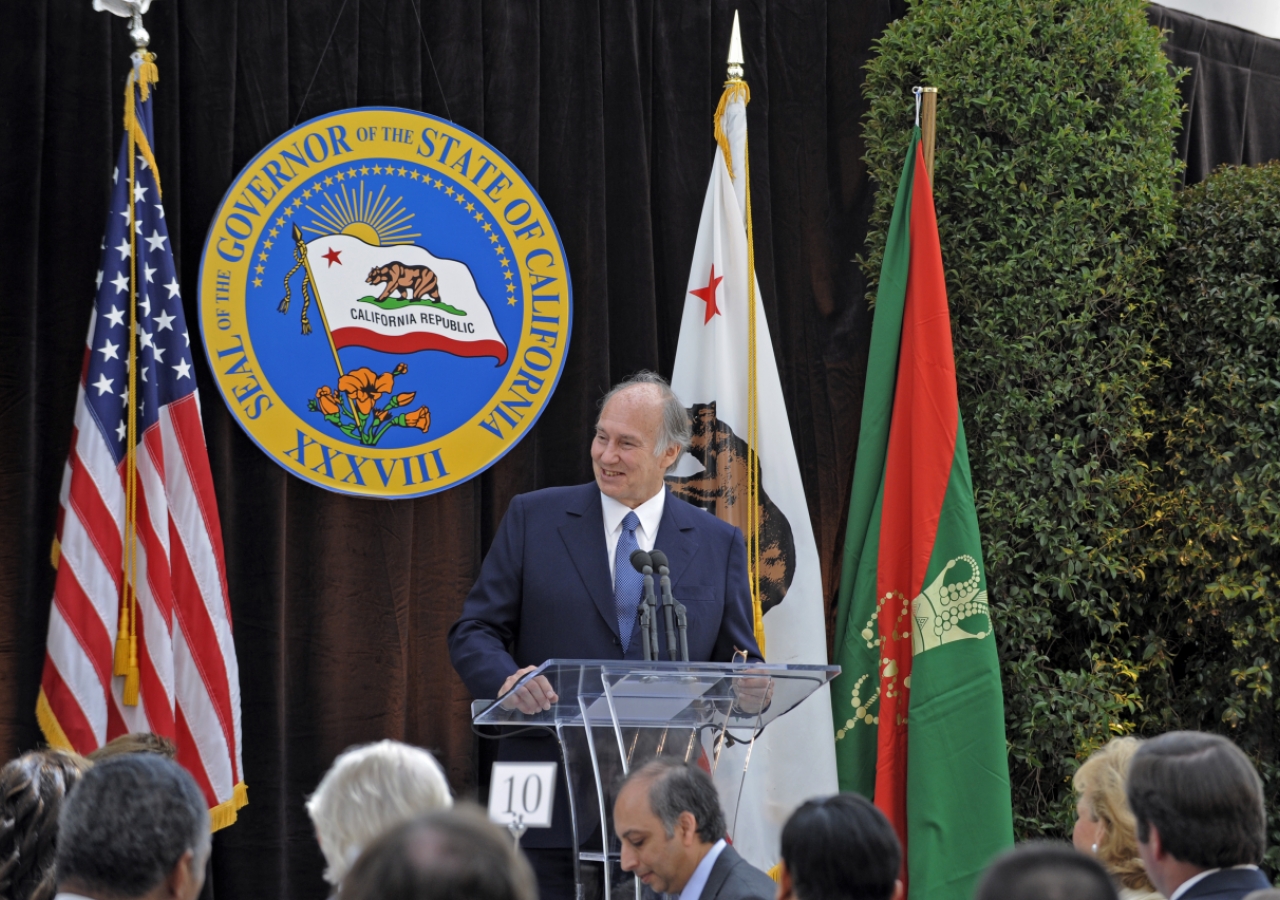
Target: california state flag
{"x": 398, "y": 298}
{"x": 795, "y": 758}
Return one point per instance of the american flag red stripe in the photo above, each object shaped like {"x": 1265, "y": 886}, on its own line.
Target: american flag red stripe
{"x": 189, "y": 688}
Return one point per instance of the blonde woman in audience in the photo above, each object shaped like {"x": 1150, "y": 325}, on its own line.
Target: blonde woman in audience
{"x": 1104, "y": 823}
{"x": 368, "y": 791}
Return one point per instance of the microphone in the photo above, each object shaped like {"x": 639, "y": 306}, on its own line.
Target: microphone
{"x": 668, "y": 604}
{"x": 643, "y": 563}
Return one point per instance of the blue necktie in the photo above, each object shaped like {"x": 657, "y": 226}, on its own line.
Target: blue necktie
{"x": 628, "y": 584}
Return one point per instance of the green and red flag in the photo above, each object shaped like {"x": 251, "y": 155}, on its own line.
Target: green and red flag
{"x": 919, "y": 713}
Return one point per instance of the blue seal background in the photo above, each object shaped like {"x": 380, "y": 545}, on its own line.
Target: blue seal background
{"x": 453, "y": 388}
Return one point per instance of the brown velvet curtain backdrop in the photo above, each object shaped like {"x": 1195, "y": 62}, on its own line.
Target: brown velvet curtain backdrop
{"x": 341, "y": 605}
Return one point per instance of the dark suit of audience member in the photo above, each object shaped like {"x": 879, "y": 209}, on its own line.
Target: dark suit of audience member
{"x": 1201, "y": 822}
{"x": 1227, "y": 884}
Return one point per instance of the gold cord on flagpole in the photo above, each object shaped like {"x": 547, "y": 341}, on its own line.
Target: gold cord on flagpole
{"x": 735, "y": 88}
{"x": 143, "y": 75}
{"x": 753, "y": 418}
{"x": 300, "y": 254}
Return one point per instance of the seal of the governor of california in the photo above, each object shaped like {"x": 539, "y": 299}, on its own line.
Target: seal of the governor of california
{"x": 384, "y": 302}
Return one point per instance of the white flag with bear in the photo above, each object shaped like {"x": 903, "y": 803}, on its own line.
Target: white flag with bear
{"x": 795, "y": 758}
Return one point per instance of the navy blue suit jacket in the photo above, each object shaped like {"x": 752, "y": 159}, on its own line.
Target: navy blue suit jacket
{"x": 1227, "y": 884}
{"x": 544, "y": 592}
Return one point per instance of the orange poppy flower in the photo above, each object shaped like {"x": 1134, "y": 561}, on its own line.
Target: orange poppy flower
{"x": 405, "y": 399}
{"x": 419, "y": 418}
{"x": 364, "y": 388}
{"x": 326, "y": 400}
{"x": 400, "y": 369}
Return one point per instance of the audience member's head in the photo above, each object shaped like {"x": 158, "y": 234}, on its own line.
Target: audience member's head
{"x": 839, "y": 848}
{"x": 451, "y": 854}
{"x": 1104, "y": 822}
{"x": 1197, "y": 802}
{"x": 668, "y": 817}
{"x": 369, "y": 790}
{"x": 135, "y": 827}
{"x": 33, "y": 788}
{"x": 1045, "y": 871}
{"x": 135, "y": 742}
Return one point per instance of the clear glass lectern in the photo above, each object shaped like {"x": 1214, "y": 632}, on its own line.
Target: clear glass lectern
{"x": 613, "y": 716}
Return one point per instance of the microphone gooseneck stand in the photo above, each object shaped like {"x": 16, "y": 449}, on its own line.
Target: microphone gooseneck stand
{"x": 672, "y": 609}
{"x": 642, "y": 563}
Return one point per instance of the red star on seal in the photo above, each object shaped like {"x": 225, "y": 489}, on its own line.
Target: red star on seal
{"x": 332, "y": 256}
{"x": 708, "y": 295}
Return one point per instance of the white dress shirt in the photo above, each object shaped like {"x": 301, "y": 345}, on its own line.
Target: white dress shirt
{"x": 698, "y": 880}
{"x": 649, "y": 513}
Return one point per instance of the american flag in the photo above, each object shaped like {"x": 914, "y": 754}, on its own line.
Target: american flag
{"x": 188, "y": 683}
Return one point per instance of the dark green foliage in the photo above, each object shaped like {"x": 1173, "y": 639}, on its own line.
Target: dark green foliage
{"x": 1055, "y": 194}
{"x": 1220, "y": 503}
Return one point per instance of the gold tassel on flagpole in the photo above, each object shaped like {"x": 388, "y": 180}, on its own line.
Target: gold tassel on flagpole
{"x": 121, "y": 666}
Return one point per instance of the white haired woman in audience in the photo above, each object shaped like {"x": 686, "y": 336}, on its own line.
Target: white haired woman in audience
{"x": 369, "y": 790}
{"x": 1105, "y": 825}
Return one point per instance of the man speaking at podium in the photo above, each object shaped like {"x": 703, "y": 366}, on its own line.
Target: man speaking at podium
{"x": 558, "y": 582}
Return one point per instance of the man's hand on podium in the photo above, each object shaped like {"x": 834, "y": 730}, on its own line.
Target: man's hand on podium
{"x": 753, "y": 694}
{"x": 534, "y": 697}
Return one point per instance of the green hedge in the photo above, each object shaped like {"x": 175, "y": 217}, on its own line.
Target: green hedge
{"x": 1054, "y": 187}
{"x": 1218, "y": 625}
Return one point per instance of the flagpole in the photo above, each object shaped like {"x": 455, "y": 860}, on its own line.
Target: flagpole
{"x": 734, "y": 87}
{"x": 928, "y": 126}
{"x": 301, "y": 246}
{"x": 141, "y": 77}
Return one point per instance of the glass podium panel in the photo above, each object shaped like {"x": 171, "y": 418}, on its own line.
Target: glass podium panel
{"x": 614, "y": 716}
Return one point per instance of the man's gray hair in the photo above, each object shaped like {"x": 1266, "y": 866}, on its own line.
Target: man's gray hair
{"x": 676, "y": 787}
{"x": 128, "y": 823}
{"x": 368, "y": 790}
{"x": 675, "y": 427}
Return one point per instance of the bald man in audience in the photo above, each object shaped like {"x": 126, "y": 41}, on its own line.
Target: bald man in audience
{"x": 454, "y": 854}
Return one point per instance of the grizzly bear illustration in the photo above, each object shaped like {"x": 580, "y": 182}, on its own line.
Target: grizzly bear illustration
{"x": 721, "y": 489}
{"x": 413, "y": 282}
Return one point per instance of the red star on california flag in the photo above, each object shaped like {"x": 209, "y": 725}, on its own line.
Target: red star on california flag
{"x": 332, "y": 256}
{"x": 708, "y": 294}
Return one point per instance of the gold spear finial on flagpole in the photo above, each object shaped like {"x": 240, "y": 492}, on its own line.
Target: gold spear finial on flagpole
{"x": 735, "y": 49}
